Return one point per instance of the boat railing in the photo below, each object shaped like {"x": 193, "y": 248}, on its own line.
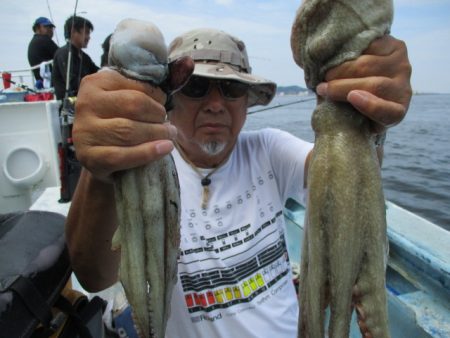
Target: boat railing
{"x": 22, "y": 76}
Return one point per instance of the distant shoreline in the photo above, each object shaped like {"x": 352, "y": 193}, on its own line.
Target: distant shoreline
{"x": 429, "y": 93}
{"x": 301, "y": 91}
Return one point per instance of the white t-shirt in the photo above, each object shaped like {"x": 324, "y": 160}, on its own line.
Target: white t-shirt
{"x": 234, "y": 277}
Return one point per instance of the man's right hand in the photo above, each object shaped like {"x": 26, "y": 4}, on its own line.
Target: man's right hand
{"x": 119, "y": 124}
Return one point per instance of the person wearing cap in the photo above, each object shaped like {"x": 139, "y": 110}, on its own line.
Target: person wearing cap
{"x": 77, "y": 31}
{"x": 234, "y": 277}
{"x": 41, "y": 47}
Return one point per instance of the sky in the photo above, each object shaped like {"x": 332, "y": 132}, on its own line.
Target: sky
{"x": 264, "y": 26}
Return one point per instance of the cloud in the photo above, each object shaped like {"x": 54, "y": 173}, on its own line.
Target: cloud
{"x": 263, "y": 25}
{"x": 411, "y": 3}
{"x": 224, "y": 2}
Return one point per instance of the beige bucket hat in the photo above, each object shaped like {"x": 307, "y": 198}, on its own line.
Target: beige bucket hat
{"x": 222, "y": 56}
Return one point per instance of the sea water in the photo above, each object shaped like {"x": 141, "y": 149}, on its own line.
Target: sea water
{"x": 416, "y": 165}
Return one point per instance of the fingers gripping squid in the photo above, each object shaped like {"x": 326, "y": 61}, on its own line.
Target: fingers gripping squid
{"x": 345, "y": 243}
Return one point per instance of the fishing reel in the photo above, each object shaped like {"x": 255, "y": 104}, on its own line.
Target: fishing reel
{"x": 69, "y": 165}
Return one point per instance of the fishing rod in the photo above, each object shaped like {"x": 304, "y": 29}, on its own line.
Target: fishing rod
{"x": 81, "y": 55}
{"x": 51, "y": 17}
{"x": 69, "y": 56}
{"x": 67, "y": 110}
{"x": 280, "y": 105}
{"x": 21, "y": 85}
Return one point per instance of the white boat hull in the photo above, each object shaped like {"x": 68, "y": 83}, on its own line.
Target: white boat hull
{"x": 29, "y": 137}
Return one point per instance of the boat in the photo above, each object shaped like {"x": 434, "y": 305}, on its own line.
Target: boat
{"x": 417, "y": 275}
{"x": 35, "y": 152}
{"x": 418, "y": 271}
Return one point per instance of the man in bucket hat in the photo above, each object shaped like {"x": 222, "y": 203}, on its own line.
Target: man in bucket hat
{"x": 234, "y": 274}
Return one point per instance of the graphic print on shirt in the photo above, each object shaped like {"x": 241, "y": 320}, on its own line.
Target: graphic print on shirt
{"x": 254, "y": 257}
{"x": 222, "y": 288}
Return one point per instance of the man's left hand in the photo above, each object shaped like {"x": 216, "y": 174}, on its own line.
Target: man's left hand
{"x": 377, "y": 83}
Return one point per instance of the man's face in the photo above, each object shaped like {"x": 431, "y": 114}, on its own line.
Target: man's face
{"x": 208, "y": 127}
{"x": 46, "y": 30}
{"x": 81, "y": 39}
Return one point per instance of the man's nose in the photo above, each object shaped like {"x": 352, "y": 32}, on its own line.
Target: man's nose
{"x": 214, "y": 99}
{"x": 215, "y": 92}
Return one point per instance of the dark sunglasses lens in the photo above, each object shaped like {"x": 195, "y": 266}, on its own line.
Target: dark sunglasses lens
{"x": 233, "y": 89}
{"x": 196, "y": 87}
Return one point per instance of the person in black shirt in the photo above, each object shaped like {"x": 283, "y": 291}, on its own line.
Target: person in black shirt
{"x": 41, "y": 47}
{"x": 77, "y": 31}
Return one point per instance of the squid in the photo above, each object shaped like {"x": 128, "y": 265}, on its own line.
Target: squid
{"x": 343, "y": 264}
{"x": 148, "y": 197}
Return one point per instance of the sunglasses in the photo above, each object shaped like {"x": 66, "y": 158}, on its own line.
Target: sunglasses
{"x": 198, "y": 87}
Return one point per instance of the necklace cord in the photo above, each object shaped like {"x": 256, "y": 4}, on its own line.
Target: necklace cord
{"x": 205, "y": 179}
